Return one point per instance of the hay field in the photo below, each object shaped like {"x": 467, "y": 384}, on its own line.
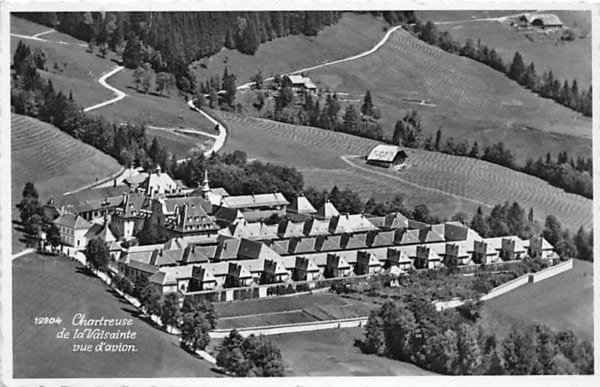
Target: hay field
{"x": 567, "y": 60}
{"x": 447, "y": 184}
{"x": 468, "y": 100}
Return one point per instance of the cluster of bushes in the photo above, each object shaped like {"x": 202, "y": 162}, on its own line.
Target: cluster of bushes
{"x": 575, "y": 177}
{"x": 546, "y": 86}
{"x": 306, "y": 109}
{"x": 33, "y": 97}
{"x": 250, "y": 356}
{"x": 238, "y": 176}
{"x": 451, "y": 342}
{"x": 34, "y": 219}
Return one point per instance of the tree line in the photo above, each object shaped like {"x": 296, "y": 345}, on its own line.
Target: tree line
{"x": 546, "y": 85}
{"x": 574, "y": 176}
{"x": 451, "y": 343}
{"x": 32, "y": 96}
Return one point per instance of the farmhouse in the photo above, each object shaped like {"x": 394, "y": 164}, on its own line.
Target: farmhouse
{"x": 540, "y": 20}
{"x": 386, "y": 156}
{"x": 299, "y": 83}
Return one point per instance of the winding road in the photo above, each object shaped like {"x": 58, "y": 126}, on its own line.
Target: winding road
{"x": 102, "y": 80}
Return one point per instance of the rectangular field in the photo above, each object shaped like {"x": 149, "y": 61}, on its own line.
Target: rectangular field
{"x": 288, "y": 310}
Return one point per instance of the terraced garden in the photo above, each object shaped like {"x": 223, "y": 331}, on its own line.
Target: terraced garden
{"x": 465, "y": 99}
{"x": 445, "y": 183}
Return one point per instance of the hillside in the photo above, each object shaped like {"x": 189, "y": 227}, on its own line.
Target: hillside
{"x": 447, "y": 184}
{"x": 561, "y": 302}
{"x": 567, "y": 60}
{"x": 352, "y": 34}
{"x": 465, "y": 99}
{"x": 54, "y": 161}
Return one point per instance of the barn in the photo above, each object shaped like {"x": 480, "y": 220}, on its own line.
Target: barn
{"x": 386, "y": 156}
{"x": 540, "y": 20}
{"x": 546, "y": 20}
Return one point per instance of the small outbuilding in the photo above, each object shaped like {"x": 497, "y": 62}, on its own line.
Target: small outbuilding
{"x": 386, "y": 156}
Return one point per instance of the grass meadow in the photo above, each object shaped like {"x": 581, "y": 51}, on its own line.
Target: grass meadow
{"x": 352, "y": 34}
{"x": 332, "y": 353}
{"x": 562, "y": 302}
{"x": 470, "y": 101}
{"x": 567, "y": 60}
{"x": 57, "y": 287}
{"x": 447, "y": 184}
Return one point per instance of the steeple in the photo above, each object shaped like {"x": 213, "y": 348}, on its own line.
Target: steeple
{"x": 205, "y": 185}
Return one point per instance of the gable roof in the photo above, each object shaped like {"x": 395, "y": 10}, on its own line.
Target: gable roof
{"x": 328, "y": 242}
{"x": 227, "y": 248}
{"x": 407, "y": 237}
{"x": 301, "y": 205}
{"x": 159, "y": 182}
{"x": 228, "y": 215}
{"x": 353, "y": 241}
{"x": 314, "y": 227}
{"x": 289, "y": 229}
{"x": 281, "y": 246}
{"x": 381, "y": 238}
{"x": 548, "y": 19}
{"x": 73, "y": 221}
{"x": 302, "y": 245}
{"x": 256, "y": 200}
{"x": 385, "y": 153}
{"x": 427, "y": 235}
{"x": 327, "y": 210}
{"x": 350, "y": 224}
{"x": 132, "y": 205}
{"x": 169, "y": 204}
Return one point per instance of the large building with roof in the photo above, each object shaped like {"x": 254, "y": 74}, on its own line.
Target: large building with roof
{"x": 540, "y": 20}
{"x": 386, "y": 156}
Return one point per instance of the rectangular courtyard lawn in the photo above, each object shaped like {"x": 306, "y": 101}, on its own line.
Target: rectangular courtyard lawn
{"x": 289, "y": 310}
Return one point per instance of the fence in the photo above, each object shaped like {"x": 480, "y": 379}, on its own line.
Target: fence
{"x": 551, "y": 271}
{"x": 512, "y": 285}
